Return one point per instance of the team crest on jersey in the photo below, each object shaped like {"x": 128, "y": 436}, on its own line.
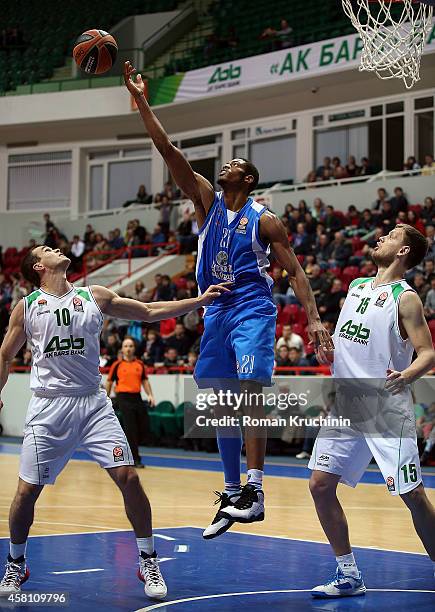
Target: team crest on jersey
{"x": 390, "y": 483}
{"x": 222, "y": 258}
{"x": 241, "y": 228}
{"x": 42, "y": 303}
{"x": 382, "y": 298}
{"x": 118, "y": 454}
{"x": 78, "y": 306}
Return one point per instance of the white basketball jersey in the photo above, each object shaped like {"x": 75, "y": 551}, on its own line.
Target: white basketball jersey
{"x": 64, "y": 335}
{"x": 367, "y": 336}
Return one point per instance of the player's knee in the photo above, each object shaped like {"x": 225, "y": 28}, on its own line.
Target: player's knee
{"x": 27, "y": 493}
{"x": 321, "y": 485}
{"x": 128, "y": 479}
{"x": 415, "y": 498}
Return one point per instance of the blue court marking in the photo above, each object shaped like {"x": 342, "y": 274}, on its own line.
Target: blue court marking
{"x": 371, "y": 476}
{"x": 220, "y": 575}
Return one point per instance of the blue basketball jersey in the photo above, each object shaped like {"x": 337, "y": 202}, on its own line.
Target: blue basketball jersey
{"x": 233, "y": 251}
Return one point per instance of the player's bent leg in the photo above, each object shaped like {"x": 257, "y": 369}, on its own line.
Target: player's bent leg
{"x": 138, "y": 510}
{"x": 347, "y": 581}
{"x": 20, "y": 520}
{"x": 423, "y": 517}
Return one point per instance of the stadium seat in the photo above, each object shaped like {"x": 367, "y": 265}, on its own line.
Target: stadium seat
{"x": 291, "y": 311}
{"x": 432, "y": 330}
{"x": 278, "y": 331}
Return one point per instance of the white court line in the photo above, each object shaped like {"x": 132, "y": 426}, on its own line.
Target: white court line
{"x": 281, "y": 537}
{"x": 82, "y": 571}
{"x": 203, "y": 597}
{"x": 163, "y": 537}
{"x": 105, "y": 530}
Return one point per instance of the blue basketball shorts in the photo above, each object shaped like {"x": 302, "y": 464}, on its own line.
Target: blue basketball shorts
{"x": 237, "y": 344}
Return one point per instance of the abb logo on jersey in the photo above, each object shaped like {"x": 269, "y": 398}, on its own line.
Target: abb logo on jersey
{"x": 66, "y": 346}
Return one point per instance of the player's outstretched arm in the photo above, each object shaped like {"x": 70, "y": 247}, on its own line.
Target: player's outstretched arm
{"x": 273, "y": 232}
{"x": 411, "y": 317}
{"x": 14, "y": 339}
{"x": 126, "y": 308}
{"x": 195, "y": 186}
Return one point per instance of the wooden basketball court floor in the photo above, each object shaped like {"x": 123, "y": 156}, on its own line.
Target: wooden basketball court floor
{"x": 180, "y": 486}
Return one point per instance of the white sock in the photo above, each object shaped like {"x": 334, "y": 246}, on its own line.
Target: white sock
{"x": 145, "y": 545}
{"x": 348, "y": 565}
{"x": 232, "y": 488}
{"x": 17, "y": 550}
{"x": 255, "y": 478}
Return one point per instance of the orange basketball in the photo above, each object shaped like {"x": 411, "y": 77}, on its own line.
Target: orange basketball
{"x": 95, "y": 51}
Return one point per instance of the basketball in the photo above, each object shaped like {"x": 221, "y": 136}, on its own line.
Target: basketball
{"x": 95, "y": 51}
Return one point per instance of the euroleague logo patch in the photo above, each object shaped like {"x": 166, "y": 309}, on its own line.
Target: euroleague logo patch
{"x": 382, "y": 298}
{"x": 118, "y": 454}
{"x": 42, "y": 303}
{"x": 390, "y": 483}
{"x": 78, "y": 306}
{"x": 241, "y": 228}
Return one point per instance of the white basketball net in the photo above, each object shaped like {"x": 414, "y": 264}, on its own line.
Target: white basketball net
{"x": 392, "y": 43}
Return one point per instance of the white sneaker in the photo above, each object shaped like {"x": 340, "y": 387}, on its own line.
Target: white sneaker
{"x": 341, "y": 586}
{"x": 149, "y": 572}
{"x": 248, "y": 508}
{"x": 303, "y": 455}
{"x": 15, "y": 575}
{"x": 220, "y": 523}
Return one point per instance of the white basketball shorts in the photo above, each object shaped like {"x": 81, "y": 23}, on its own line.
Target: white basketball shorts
{"x": 56, "y": 427}
{"x": 348, "y": 457}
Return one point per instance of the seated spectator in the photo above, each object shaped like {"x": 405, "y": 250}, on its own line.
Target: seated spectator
{"x": 154, "y": 348}
{"x": 185, "y": 236}
{"x": 100, "y": 246}
{"x": 428, "y": 211}
{"x": 429, "y": 304}
{"x": 366, "y": 167}
{"x": 420, "y": 285}
{"x": 190, "y": 361}
{"x": 140, "y": 291}
{"x": 76, "y": 253}
{"x": 169, "y": 191}
{"x": 116, "y": 241}
{"x": 411, "y": 164}
{"x": 377, "y": 204}
{"x": 352, "y": 169}
{"x": 367, "y": 222}
{"x": 158, "y": 237}
{"x": 386, "y": 217}
{"x": 352, "y": 217}
{"x": 284, "y": 35}
{"x": 112, "y": 347}
{"x": 429, "y": 166}
{"x": 290, "y": 339}
{"x": 416, "y": 222}
{"x": 171, "y": 359}
{"x": 301, "y": 241}
{"x": 339, "y": 171}
{"x": 310, "y": 225}
{"x": 332, "y": 221}
{"x": 142, "y": 197}
{"x": 323, "y": 250}
{"x": 164, "y": 206}
{"x": 319, "y": 210}
{"x": 325, "y": 166}
{"x": 311, "y": 177}
{"x": 399, "y": 202}
{"x": 297, "y": 360}
{"x": 280, "y": 286}
{"x": 328, "y": 174}
{"x": 430, "y": 235}
{"x": 341, "y": 251}
{"x": 317, "y": 281}
{"x": 283, "y": 360}
{"x": 166, "y": 291}
{"x": 179, "y": 340}
{"x": 329, "y": 303}
{"x": 302, "y": 208}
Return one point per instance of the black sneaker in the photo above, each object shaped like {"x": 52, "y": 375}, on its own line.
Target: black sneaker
{"x": 249, "y": 508}
{"x": 220, "y": 523}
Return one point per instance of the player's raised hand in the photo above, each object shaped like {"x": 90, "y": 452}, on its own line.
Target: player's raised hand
{"x": 319, "y": 336}
{"x": 396, "y": 382}
{"x": 213, "y": 292}
{"x": 134, "y": 85}
{"x": 323, "y": 356}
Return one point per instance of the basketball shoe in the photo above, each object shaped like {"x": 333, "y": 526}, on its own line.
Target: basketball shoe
{"x": 248, "y": 508}
{"x": 341, "y": 585}
{"x": 16, "y": 574}
{"x": 220, "y": 523}
{"x": 149, "y": 572}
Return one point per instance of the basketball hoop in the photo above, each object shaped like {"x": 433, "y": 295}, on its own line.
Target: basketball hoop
{"x": 393, "y": 34}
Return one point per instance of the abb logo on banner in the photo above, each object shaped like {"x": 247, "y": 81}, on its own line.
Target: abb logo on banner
{"x": 133, "y": 105}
